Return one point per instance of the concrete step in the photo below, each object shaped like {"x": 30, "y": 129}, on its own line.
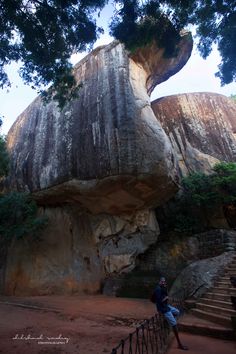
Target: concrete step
{"x": 219, "y": 319}
{"x": 218, "y": 303}
{"x": 195, "y": 325}
{"x": 231, "y": 267}
{"x": 217, "y": 296}
{"x": 216, "y": 309}
{"x": 222, "y": 290}
{"x": 225, "y": 278}
{"x": 223, "y": 283}
{"x": 230, "y": 272}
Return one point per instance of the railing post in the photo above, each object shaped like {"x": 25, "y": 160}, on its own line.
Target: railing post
{"x": 151, "y": 337}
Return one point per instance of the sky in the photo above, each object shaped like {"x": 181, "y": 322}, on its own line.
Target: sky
{"x": 198, "y": 75}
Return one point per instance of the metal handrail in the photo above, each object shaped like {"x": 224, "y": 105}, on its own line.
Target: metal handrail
{"x": 150, "y": 337}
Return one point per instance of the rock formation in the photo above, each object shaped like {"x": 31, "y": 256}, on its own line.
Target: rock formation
{"x": 199, "y": 276}
{"x": 77, "y": 250}
{"x": 201, "y": 127}
{"x": 96, "y": 168}
{"x": 99, "y": 167}
{"x": 106, "y": 150}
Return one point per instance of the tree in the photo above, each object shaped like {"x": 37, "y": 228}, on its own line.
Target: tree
{"x": 200, "y": 198}
{"x": 233, "y": 98}
{"x": 18, "y": 211}
{"x": 201, "y": 194}
{"x": 215, "y": 22}
{"x": 4, "y": 160}
{"x": 42, "y": 34}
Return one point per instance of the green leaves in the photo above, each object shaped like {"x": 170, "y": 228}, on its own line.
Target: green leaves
{"x": 43, "y": 35}
{"x": 210, "y": 190}
{"x": 18, "y": 216}
{"x": 4, "y": 158}
{"x": 138, "y": 24}
{"x": 18, "y": 212}
{"x": 201, "y": 196}
{"x": 198, "y": 190}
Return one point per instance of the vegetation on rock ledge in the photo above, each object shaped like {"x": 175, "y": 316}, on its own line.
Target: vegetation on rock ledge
{"x": 18, "y": 212}
{"x": 200, "y": 197}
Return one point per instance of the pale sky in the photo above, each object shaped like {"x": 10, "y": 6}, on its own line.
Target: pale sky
{"x": 196, "y": 76}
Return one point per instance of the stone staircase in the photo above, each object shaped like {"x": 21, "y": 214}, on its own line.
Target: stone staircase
{"x": 212, "y": 313}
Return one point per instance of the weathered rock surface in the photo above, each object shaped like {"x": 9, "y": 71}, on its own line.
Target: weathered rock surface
{"x": 199, "y": 276}
{"x": 76, "y": 251}
{"x": 102, "y": 164}
{"x": 169, "y": 256}
{"x": 97, "y": 167}
{"x": 106, "y": 150}
{"x": 201, "y": 127}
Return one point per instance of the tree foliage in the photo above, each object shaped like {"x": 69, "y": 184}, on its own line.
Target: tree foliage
{"x": 208, "y": 190}
{"x": 43, "y": 34}
{"x": 18, "y": 211}
{"x": 215, "y": 22}
{"x": 200, "y": 195}
{"x": 233, "y": 97}
{"x": 4, "y": 159}
{"x": 18, "y": 216}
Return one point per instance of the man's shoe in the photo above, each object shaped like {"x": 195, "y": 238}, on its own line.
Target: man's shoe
{"x": 183, "y": 347}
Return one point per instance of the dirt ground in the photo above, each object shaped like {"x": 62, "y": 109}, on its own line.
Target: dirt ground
{"x": 203, "y": 345}
{"x": 68, "y": 324}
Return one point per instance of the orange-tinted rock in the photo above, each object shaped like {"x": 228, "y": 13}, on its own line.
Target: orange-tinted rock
{"x": 201, "y": 127}
{"x": 76, "y": 251}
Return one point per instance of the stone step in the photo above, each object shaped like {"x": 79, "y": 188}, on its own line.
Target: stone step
{"x": 222, "y": 290}
{"x": 217, "y": 296}
{"x": 219, "y": 303}
{"x": 222, "y": 320}
{"x": 231, "y": 267}
{"x": 225, "y": 278}
{"x": 223, "y": 283}
{"x": 216, "y": 309}
{"x": 195, "y": 325}
{"x": 230, "y": 272}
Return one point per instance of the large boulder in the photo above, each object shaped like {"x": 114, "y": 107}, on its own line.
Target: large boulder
{"x": 199, "y": 276}
{"x": 105, "y": 151}
{"x": 77, "y": 251}
{"x": 97, "y": 168}
{"x": 201, "y": 128}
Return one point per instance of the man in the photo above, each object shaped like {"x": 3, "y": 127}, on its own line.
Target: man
{"x": 169, "y": 312}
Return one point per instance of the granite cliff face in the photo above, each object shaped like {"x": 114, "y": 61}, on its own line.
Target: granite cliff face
{"x": 201, "y": 128}
{"x": 100, "y": 166}
{"x": 106, "y": 150}
{"x": 97, "y": 169}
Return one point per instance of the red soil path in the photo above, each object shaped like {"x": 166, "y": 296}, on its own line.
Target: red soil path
{"x": 92, "y": 324}
{"x": 88, "y": 324}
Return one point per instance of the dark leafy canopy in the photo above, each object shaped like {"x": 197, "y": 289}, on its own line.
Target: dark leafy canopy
{"x": 18, "y": 211}
{"x": 215, "y": 21}
{"x": 137, "y": 23}
{"x": 201, "y": 197}
{"x": 42, "y": 34}
{"x": 4, "y": 158}
{"x": 18, "y": 216}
